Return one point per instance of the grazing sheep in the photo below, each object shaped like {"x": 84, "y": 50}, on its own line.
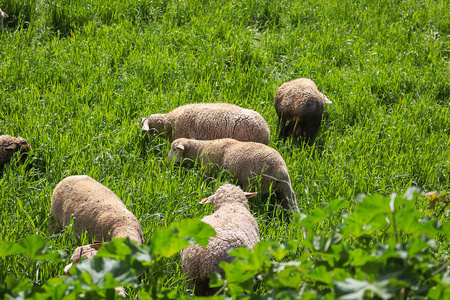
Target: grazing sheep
{"x": 95, "y": 208}
{"x": 299, "y": 106}
{"x": 209, "y": 121}
{"x": 235, "y": 227}
{"x": 244, "y": 160}
{"x": 9, "y": 145}
{"x": 2, "y": 15}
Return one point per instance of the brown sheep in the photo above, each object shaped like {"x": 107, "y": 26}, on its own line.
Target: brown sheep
{"x": 299, "y": 106}
{"x": 235, "y": 227}
{"x": 9, "y": 145}
{"x": 244, "y": 160}
{"x": 209, "y": 121}
{"x": 95, "y": 208}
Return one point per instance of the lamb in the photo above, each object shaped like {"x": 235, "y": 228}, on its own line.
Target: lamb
{"x": 2, "y": 15}
{"x": 299, "y": 106}
{"x": 209, "y": 121}
{"x": 95, "y": 208}
{"x": 235, "y": 227}
{"x": 244, "y": 160}
{"x": 9, "y": 145}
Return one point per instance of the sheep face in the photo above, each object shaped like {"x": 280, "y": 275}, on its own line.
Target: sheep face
{"x": 155, "y": 124}
{"x": 176, "y": 151}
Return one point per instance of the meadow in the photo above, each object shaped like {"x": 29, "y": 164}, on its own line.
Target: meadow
{"x": 77, "y": 77}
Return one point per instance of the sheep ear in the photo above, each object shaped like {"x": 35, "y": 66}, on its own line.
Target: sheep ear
{"x": 326, "y": 100}
{"x": 96, "y": 245}
{"x": 180, "y": 147}
{"x": 145, "y": 127}
{"x": 10, "y": 147}
{"x": 249, "y": 195}
{"x": 207, "y": 200}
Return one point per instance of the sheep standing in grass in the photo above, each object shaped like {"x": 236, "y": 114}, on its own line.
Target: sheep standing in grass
{"x": 2, "y": 15}
{"x": 235, "y": 227}
{"x": 9, "y": 145}
{"x": 209, "y": 121}
{"x": 95, "y": 208}
{"x": 299, "y": 106}
{"x": 244, "y": 160}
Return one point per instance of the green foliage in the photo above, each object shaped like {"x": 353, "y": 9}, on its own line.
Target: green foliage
{"x": 387, "y": 262}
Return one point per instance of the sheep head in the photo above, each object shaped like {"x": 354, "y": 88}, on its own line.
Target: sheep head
{"x": 228, "y": 193}
{"x": 155, "y": 124}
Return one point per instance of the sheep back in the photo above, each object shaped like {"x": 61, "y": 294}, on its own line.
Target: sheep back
{"x": 95, "y": 208}
{"x": 209, "y": 121}
{"x": 9, "y": 145}
{"x": 299, "y": 106}
{"x": 235, "y": 227}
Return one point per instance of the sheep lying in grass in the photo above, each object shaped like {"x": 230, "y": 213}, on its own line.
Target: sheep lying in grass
{"x": 235, "y": 227}
{"x": 9, "y": 145}
{"x": 244, "y": 160}
{"x": 299, "y": 106}
{"x": 2, "y": 15}
{"x": 209, "y": 121}
{"x": 95, "y": 208}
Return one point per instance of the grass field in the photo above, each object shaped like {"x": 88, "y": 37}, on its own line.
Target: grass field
{"x": 76, "y": 77}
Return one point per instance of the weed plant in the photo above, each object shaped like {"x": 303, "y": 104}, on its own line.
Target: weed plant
{"x": 76, "y": 78}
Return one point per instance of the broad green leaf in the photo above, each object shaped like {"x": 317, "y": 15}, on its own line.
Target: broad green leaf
{"x": 177, "y": 236}
{"x": 321, "y": 274}
{"x": 336, "y": 205}
{"x": 120, "y": 248}
{"x": 8, "y": 248}
{"x": 98, "y": 267}
{"x": 355, "y": 289}
{"x": 286, "y": 277}
{"x": 34, "y": 247}
{"x": 16, "y": 285}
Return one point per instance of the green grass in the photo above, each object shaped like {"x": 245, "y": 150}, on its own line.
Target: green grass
{"x": 76, "y": 77}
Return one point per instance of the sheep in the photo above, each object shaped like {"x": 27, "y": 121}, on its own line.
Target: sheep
{"x": 9, "y": 145}
{"x": 244, "y": 160}
{"x": 2, "y": 15}
{"x": 235, "y": 227}
{"x": 95, "y": 208}
{"x": 88, "y": 252}
{"x": 209, "y": 121}
{"x": 299, "y": 106}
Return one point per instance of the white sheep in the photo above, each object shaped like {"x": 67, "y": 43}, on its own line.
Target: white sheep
{"x": 235, "y": 227}
{"x": 299, "y": 106}
{"x": 209, "y": 121}
{"x": 9, "y": 145}
{"x": 244, "y": 160}
{"x": 2, "y": 15}
{"x": 95, "y": 208}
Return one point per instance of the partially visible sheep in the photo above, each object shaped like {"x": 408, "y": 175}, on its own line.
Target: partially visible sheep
{"x": 88, "y": 252}
{"x": 95, "y": 208}
{"x": 299, "y": 106}
{"x": 244, "y": 160}
{"x": 9, "y": 145}
{"x": 235, "y": 227}
{"x": 2, "y": 15}
{"x": 209, "y": 121}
